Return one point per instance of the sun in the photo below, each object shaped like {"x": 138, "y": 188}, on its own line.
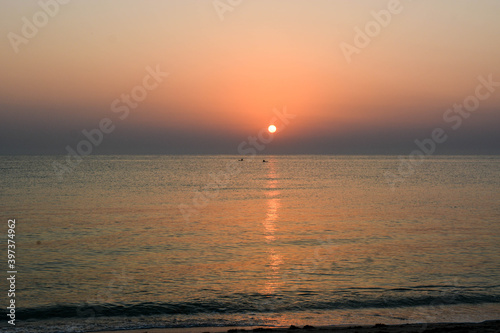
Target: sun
{"x": 271, "y": 128}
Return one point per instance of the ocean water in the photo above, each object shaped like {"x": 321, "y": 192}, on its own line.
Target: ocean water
{"x": 185, "y": 241}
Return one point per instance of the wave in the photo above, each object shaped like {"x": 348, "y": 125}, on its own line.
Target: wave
{"x": 249, "y": 303}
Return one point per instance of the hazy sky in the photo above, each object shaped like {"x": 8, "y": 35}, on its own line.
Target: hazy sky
{"x": 354, "y": 84}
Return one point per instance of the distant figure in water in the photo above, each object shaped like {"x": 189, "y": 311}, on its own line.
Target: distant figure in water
{"x": 241, "y": 160}
{"x": 264, "y": 161}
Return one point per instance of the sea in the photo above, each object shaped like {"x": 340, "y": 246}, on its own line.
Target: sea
{"x": 141, "y": 242}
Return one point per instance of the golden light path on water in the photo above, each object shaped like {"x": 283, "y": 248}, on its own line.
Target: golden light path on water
{"x": 270, "y": 228}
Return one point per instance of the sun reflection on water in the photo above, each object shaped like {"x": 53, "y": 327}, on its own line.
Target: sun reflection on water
{"x": 275, "y": 259}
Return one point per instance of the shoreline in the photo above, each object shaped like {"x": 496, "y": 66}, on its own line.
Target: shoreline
{"x": 489, "y": 326}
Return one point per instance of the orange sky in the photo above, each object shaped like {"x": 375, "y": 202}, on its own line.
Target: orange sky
{"x": 226, "y": 76}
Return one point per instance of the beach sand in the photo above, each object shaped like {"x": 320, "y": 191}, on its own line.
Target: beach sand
{"x": 490, "y": 326}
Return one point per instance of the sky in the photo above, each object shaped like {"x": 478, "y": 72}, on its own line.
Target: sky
{"x": 206, "y": 76}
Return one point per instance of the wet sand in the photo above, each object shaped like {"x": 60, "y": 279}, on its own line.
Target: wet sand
{"x": 491, "y": 326}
